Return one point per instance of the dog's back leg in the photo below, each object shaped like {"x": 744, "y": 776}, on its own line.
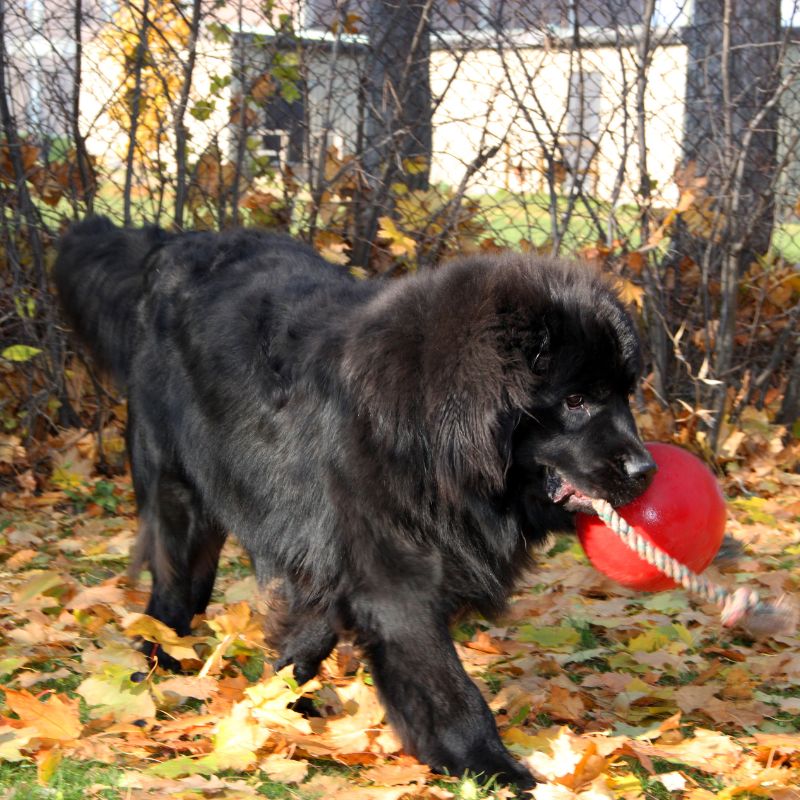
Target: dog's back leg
{"x": 181, "y": 544}
{"x": 208, "y": 540}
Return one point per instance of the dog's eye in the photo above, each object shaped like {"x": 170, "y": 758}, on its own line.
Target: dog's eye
{"x": 574, "y": 401}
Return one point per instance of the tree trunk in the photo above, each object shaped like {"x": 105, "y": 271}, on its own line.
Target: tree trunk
{"x": 790, "y": 408}
{"x": 654, "y": 299}
{"x": 730, "y": 141}
{"x": 398, "y": 132}
{"x": 136, "y": 100}
{"x": 181, "y": 131}
{"x": 87, "y": 187}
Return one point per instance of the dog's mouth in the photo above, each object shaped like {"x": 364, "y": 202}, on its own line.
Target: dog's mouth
{"x": 566, "y": 494}
{"x": 564, "y": 491}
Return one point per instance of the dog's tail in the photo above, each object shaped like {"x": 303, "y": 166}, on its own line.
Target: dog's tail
{"x": 99, "y": 274}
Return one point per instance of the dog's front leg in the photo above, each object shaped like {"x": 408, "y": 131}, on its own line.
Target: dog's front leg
{"x": 430, "y": 700}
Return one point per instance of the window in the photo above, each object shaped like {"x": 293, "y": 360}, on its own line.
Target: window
{"x": 582, "y": 128}
{"x": 283, "y": 134}
{"x": 275, "y": 147}
{"x": 583, "y": 107}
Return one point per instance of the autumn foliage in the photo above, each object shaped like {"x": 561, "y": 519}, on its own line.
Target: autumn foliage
{"x": 602, "y": 691}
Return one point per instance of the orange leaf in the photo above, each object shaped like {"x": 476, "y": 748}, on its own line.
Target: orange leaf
{"x": 154, "y": 630}
{"x": 263, "y": 87}
{"x": 484, "y": 643}
{"x": 238, "y": 620}
{"x": 57, "y": 718}
{"x": 397, "y": 774}
{"x": 630, "y": 293}
{"x": 635, "y": 261}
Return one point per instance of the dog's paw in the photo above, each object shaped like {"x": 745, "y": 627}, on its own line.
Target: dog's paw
{"x": 156, "y": 656}
{"x": 303, "y": 671}
{"x": 506, "y": 771}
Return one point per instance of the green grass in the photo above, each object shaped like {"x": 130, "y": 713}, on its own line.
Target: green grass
{"x": 278, "y": 791}
{"x": 71, "y": 781}
{"x": 510, "y": 218}
{"x": 513, "y": 218}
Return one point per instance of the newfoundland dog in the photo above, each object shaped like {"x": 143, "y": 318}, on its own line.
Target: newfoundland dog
{"x": 387, "y": 451}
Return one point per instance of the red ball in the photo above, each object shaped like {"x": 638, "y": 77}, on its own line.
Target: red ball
{"x": 682, "y": 512}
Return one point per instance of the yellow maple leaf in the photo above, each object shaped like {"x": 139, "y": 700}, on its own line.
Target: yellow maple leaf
{"x": 284, "y": 770}
{"x": 648, "y": 642}
{"x": 238, "y": 621}
{"x": 566, "y": 761}
{"x": 332, "y": 247}
{"x": 355, "y": 729}
{"x": 111, "y": 692}
{"x": 630, "y": 293}
{"x": 270, "y": 700}
{"x": 13, "y": 741}
{"x": 156, "y": 631}
{"x": 237, "y": 738}
{"x": 399, "y": 244}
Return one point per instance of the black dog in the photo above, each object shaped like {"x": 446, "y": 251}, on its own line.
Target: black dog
{"x": 389, "y": 450}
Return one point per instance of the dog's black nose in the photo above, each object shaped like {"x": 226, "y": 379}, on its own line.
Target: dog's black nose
{"x": 640, "y": 466}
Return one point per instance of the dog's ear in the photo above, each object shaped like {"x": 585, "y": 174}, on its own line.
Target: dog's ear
{"x": 471, "y": 444}
{"x": 473, "y": 403}
{"x": 442, "y": 365}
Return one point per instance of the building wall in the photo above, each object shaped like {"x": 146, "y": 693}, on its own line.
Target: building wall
{"x": 788, "y": 189}
{"x": 526, "y": 103}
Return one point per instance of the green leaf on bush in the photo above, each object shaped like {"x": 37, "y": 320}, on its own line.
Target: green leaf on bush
{"x": 290, "y": 93}
{"x": 202, "y": 109}
{"x": 20, "y": 352}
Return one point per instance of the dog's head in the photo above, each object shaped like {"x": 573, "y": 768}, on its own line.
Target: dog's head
{"x": 583, "y": 445}
{"x": 536, "y": 364}
{"x": 577, "y": 437}
{"x": 513, "y": 367}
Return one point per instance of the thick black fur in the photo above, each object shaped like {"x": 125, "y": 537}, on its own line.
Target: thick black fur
{"x": 389, "y": 450}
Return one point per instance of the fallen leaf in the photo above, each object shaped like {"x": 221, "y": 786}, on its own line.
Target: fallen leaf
{"x": 690, "y": 698}
{"x": 14, "y": 740}
{"x": 113, "y": 693}
{"x": 108, "y": 594}
{"x": 672, "y": 781}
{"x": 564, "y": 704}
{"x": 56, "y": 718}
{"x": 284, "y": 770}
{"x": 707, "y": 750}
{"x": 484, "y": 643}
{"x": 188, "y": 686}
{"x": 549, "y": 636}
{"x": 47, "y": 762}
{"x": 152, "y": 630}
{"x": 397, "y": 774}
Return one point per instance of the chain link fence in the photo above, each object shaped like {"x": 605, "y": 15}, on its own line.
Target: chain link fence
{"x": 655, "y": 138}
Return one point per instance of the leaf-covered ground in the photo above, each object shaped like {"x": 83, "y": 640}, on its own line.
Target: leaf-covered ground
{"x": 602, "y": 692}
